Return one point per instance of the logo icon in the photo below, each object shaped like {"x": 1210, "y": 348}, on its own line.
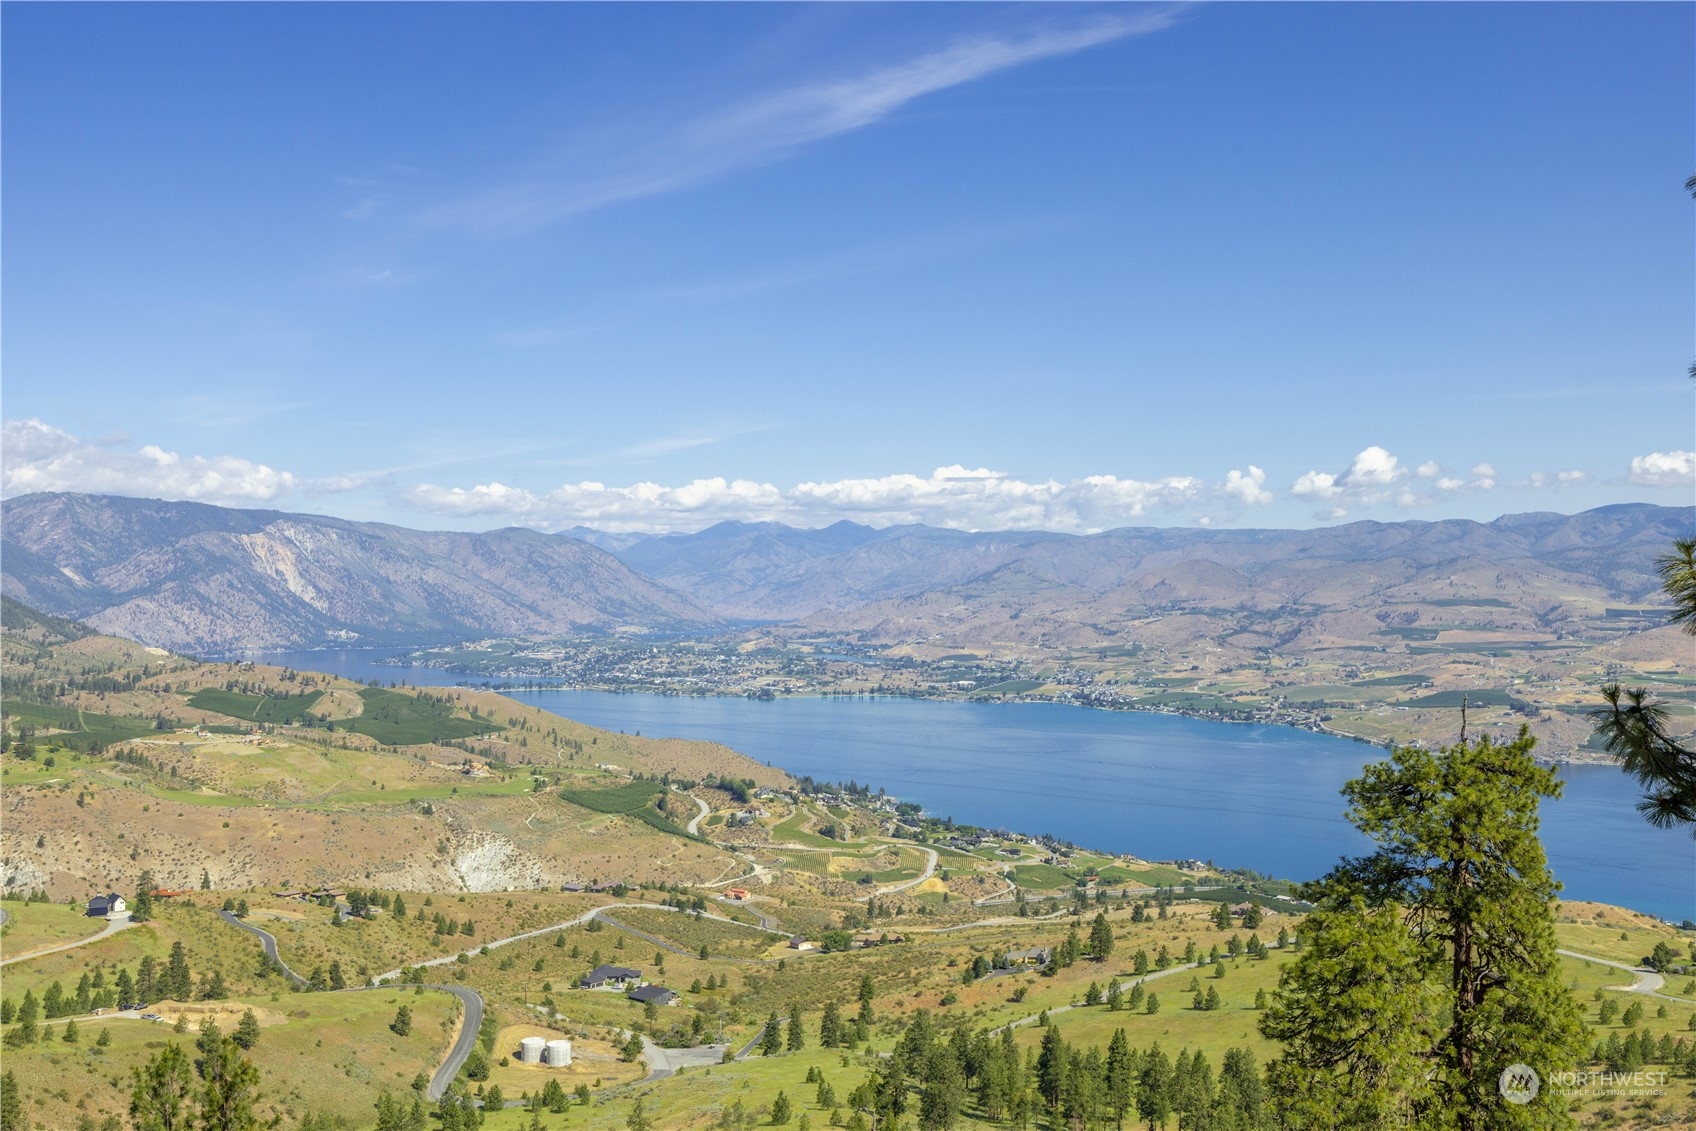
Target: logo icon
{"x": 1519, "y": 1083}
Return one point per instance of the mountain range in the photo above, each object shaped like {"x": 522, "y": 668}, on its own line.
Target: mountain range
{"x": 218, "y": 580}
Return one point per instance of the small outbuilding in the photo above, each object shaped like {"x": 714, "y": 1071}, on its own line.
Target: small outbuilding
{"x": 658, "y": 995}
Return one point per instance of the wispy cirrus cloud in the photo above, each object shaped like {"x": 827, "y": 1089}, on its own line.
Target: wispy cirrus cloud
{"x": 229, "y": 410}
{"x": 772, "y": 126}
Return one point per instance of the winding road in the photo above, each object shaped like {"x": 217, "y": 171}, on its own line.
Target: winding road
{"x": 694, "y": 826}
{"x": 470, "y": 1024}
{"x": 1647, "y": 982}
{"x": 266, "y": 941}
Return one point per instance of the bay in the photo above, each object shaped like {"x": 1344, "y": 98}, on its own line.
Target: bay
{"x": 1157, "y": 786}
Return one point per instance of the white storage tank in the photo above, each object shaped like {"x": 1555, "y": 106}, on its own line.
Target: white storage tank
{"x": 559, "y": 1053}
{"x": 530, "y": 1050}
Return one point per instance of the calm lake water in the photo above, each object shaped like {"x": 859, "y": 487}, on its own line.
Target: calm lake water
{"x": 1158, "y": 786}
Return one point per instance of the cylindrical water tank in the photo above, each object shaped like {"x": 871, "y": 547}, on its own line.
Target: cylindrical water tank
{"x": 530, "y": 1050}
{"x": 559, "y": 1053}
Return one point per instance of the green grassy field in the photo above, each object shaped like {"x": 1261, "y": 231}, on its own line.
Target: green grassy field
{"x": 325, "y": 1053}
{"x": 210, "y": 946}
{"x": 254, "y": 708}
{"x": 30, "y": 926}
{"x": 633, "y": 799}
{"x": 789, "y": 830}
{"x": 82, "y": 730}
{"x": 405, "y": 720}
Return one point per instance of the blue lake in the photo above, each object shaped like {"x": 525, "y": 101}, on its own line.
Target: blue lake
{"x": 1158, "y": 786}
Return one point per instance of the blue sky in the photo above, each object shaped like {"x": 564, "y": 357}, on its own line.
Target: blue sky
{"x": 650, "y": 267}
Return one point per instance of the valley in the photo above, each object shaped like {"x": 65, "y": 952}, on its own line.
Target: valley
{"x": 466, "y": 839}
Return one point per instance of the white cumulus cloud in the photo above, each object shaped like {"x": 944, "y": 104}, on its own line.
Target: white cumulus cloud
{"x": 1250, "y": 488}
{"x": 957, "y": 497}
{"x": 35, "y": 456}
{"x": 1317, "y": 484}
{"x": 1373, "y": 467}
{"x": 1664, "y": 469}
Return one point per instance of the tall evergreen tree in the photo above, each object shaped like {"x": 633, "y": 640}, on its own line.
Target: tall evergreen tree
{"x": 141, "y": 907}
{"x": 1634, "y": 727}
{"x": 230, "y": 1093}
{"x": 176, "y": 982}
{"x": 160, "y": 1099}
{"x": 11, "y": 1104}
{"x": 830, "y": 1025}
{"x": 1121, "y": 1076}
{"x": 1100, "y": 938}
{"x": 1431, "y": 964}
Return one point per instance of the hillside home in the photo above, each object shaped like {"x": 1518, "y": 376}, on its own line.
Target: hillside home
{"x": 658, "y": 995}
{"x": 610, "y": 977}
{"x": 1034, "y": 956}
{"x": 107, "y": 906}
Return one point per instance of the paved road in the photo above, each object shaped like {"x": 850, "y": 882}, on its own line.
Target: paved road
{"x": 659, "y": 942}
{"x": 470, "y": 998}
{"x": 930, "y": 870}
{"x": 112, "y": 927}
{"x": 694, "y": 826}
{"x": 1647, "y": 981}
{"x": 663, "y": 1062}
{"x": 747, "y": 1050}
{"x": 463, "y": 1044}
{"x": 266, "y": 941}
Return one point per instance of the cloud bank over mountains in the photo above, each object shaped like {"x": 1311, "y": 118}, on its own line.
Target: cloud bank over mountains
{"x": 39, "y": 457}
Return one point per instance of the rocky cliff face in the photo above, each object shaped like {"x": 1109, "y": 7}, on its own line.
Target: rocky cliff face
{"x": 210, "y": 579}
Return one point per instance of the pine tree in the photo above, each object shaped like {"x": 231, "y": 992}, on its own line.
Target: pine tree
{"x": 231, "y": 1090}
{"x": 1430, "y": 966}
{"x": 1154, "y": 1085}
{"x": 141, "y": 907}
{"x": 160, "y": 1099}
{"x": 1100, "y": 938}
{"x": 177, "y": 982}
{"x": 830, "y": 1026}
{"x": 11, "y": 1104}
{"x": 247, "y": 1031}
{"x": 771, "y": 1037}
{"x": 797, "y": 1036}
{"x": 781, "y": 1109}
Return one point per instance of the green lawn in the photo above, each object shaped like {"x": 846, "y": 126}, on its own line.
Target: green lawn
{"x": 30, "y": 926}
